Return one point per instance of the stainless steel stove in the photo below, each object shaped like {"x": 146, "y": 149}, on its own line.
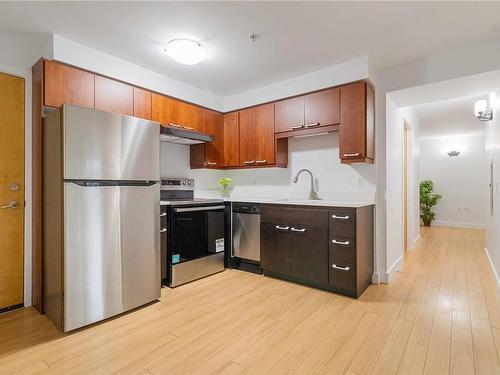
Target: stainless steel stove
{"x": 193, "y": 233}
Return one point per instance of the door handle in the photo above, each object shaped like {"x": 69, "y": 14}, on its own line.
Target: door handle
{"x": 301, "y": 230}
{"x": 249, "y": 161}
{"x": 279, "y": 227}
{"x": 163, "y": 214}
{"x": 210, "y": 163}
{"x": 340, "y": 217}
{"x": 12, "y": 204}
{"x": 341, "y": 268}
{"x": 261, "y": 161}
{"x": 345, "y": 243}
{"x": 174, "y": 125}
{"x": 297, "y": 127}
{"x": 352, "y": 155}
{"x": 163, "y": 230}
{"x": 313, "y": 125}
{"x": 187, "y": 127}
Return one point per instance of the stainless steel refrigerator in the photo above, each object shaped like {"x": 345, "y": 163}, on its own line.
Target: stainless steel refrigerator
{"x": 101, "y": 203}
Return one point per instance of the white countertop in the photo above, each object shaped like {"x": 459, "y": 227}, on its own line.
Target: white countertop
{"x": 303, "y": 202}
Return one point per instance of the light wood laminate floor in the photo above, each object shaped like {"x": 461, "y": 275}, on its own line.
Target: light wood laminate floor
{"x": 440, "y": 315}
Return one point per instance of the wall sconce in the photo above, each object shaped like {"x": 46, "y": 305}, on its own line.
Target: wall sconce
{"x": 482, "y": 110}
{"x": 453, "y": 153}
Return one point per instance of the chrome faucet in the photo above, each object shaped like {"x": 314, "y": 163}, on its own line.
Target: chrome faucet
{"x": 313, "y": 195}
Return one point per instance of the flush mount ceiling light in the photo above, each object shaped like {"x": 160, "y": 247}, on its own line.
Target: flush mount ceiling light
{"x": 482, "y": 110}
{"x": 186, "y": 51}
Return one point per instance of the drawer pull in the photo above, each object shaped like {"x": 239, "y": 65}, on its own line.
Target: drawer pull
{"x": 352, "y": 155}
{"x": 341, "y": 217}
{"x": 301, "y": 230}
{"x": 279, "y": 227}
{"x": 313, "y": 125}
{"x": 187, "y": 127}
{"x": 297, "y": 127}
{"x": 174, "y": 125}
{"x": 163, "y": 214}
{"x": 209, "y": 163}
{"x": 261, "y": 161}
{"x": 163, "y": 230}
{"x": 249, "y": 161}
{"x": 347, "y": 268}
{"x": 345, "y": 243}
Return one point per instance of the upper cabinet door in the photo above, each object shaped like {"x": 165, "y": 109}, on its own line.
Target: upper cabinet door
{"x": 64, "y": 84}
{"x": 289, "y": 114}
{"x": 142, "y": 103}
{"x": 322, "y": 108}
{"x": 353, "y": 125}
{"x": 214, "y": 152}
{"x": 164, "y": 109}
{"x": 248, "y": 137}
{"x": 264, "y": 134}
{"x": 114, "y": 96}
{"x": 231, "y": 139}
{"x": 190, "y": 116}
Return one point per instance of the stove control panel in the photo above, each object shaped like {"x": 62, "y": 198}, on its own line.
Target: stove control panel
{"x": 177, "y": 184}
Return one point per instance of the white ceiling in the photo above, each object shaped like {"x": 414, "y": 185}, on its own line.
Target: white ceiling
{"x": 449, "y": 118}
{"x": 294, "y": 38}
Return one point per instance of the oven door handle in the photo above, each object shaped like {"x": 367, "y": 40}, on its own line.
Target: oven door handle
{"x": 202, "y": 208}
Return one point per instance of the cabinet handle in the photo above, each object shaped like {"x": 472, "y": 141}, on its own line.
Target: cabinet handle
{"x": 249, "y": 162}
{"x": 163, "y": 214}
{"x": 163, "y": 230}
{"x": 340, "y": 217}
{"x": 301, "y": 230}
{"x": 345, "y": 243}
{"x": 297, "y": 127}
{"x": 312, "y": 125}
{"x": 187, "y": 127}
{"x": 261, "y": 161}
{"x": 211, "y": 163}
{"x": 341, "y": 268}
{"x": 352, "y": 155}
{"x": 174, "y": 125}
{"x": 279, "y": 227}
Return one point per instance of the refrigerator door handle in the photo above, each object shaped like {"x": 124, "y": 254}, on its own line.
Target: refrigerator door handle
{"x": 101, "y": 183}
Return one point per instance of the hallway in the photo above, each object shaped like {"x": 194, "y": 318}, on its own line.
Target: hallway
{"x": 440, "y": 315}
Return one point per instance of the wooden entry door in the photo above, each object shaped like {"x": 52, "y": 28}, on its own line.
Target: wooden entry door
{"x": 11, "y": 191}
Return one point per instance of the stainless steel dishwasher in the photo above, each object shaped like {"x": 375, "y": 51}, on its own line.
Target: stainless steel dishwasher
{"x": 246, "y": 237}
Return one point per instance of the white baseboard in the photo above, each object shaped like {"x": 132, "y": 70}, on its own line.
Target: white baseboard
{"x": 412, "y": 246}
{"x": 452, "y": 224}
{"x": 492, "y": 266}
{"x": 375, "y": 278}
{"x": 387, "y": 277}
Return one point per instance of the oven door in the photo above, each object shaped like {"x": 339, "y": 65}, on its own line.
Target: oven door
{"x": 196, "y": 232}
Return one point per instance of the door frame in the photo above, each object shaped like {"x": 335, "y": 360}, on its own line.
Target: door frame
{"x": 26, "y": 75}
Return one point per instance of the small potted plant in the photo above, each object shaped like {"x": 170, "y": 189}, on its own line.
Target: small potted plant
{"x": 224, "y": 183}
{"x": 427, "y": 200}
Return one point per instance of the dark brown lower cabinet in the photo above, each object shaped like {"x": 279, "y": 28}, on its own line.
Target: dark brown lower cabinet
{"x": 329, "y": 248}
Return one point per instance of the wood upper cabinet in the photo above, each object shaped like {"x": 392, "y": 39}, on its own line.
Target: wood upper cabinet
{"x": 64, "y": 84}
{"x": 289, "y": 114}
{"x": 114, "y": 96}
{"x": 231, "y": 139}
{"x": 256, "y": 140}
{"x": 214, "y": 152}
{"x": 173, "y": 112}
{"x": 322, "y": 108}
{"x": 142, "y": 103}
{"x": 357, "y": 123}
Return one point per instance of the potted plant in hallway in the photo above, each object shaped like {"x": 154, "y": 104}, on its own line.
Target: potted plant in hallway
{"x": 427, "y": 200}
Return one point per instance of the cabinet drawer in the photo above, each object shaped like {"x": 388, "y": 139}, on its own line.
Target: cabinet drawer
{"x": 342, "y": 275}
{"x": 300, "y": 216}
{"x": 343, "y": 248}
{"x": 343, "y": 222}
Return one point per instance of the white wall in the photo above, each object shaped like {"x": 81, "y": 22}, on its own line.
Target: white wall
{"x": 320, "y": 154}
{"x": 493, "y": 221}
{"x": 77, "y": 54}
{"x": 461, "y": 180}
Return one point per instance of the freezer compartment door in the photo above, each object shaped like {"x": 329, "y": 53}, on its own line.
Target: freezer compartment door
{"x": 111, "y": 251}
{"x": 106, "y": 146}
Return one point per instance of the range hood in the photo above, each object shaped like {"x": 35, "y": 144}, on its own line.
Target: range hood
{"x": 184, "y": 137}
